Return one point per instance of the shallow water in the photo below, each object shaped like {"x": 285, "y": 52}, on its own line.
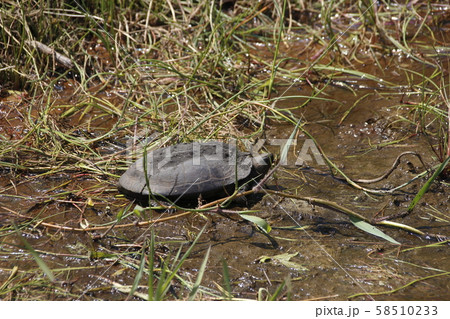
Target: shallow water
{"x": 330, "y": 259}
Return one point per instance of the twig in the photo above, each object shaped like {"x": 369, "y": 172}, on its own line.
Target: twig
{"x": 394, "y": 166}
{"x": 96, "y": 228}
{"x": 65, "y": 61}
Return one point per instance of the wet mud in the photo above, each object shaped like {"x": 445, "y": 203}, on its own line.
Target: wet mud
{"x": 315, "y": 251}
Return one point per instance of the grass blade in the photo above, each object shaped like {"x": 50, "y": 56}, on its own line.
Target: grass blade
{"x": 258, "y": 221}
{"x": 151, "y": 264}
{"x": 278, "y": 291}
{"x": 427, "y": 185}
{"x": 139, "y": 274}
{"x": 45, "y": 269}
{"x": 371, "y": 229}
{"x": 173, "y": 272}
{"x": 201, "y": 272}
{"x": 226, "y": 279}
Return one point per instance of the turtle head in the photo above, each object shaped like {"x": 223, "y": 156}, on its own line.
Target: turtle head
{"x": 262, "y": 162}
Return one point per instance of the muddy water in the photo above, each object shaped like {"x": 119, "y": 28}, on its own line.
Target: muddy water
{"x": 325, "y": 257}
{"x": 341, "y": 260}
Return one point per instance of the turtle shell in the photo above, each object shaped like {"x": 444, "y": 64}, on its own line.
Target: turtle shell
{"x": 186, "y": 171}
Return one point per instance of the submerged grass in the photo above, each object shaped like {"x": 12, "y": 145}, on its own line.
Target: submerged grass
{"x": 148, "y": 74}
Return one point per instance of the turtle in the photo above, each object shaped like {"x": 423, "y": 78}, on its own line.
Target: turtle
{"x": 188, "y": 171}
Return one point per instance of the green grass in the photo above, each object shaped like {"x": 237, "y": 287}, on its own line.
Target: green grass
{"x": 181, "y": 71}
